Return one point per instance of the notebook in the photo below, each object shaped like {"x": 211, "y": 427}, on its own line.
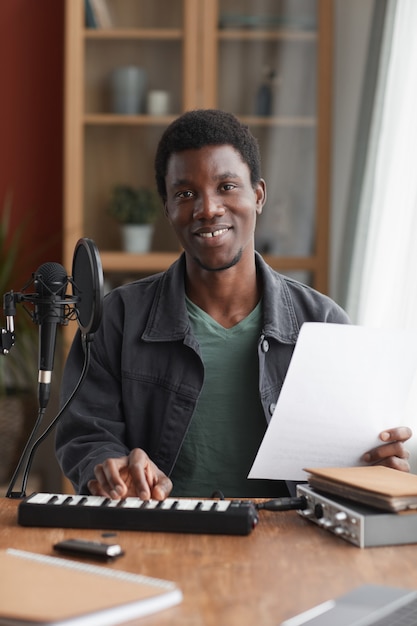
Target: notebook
{"x": 46, "y": 590}
{"x": 374, "y": 485}
{"x": 368, "y": 605}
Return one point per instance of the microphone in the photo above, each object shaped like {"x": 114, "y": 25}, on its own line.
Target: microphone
{"x": 50, "y": 282}
{"x": 52, "y": 307}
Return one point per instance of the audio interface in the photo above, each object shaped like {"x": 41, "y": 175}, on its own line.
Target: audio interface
{"x": 361, "y": 525}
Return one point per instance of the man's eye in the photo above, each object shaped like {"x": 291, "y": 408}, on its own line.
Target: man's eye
{"x": 184, "y": 194}
{"x": 228, "y": 186}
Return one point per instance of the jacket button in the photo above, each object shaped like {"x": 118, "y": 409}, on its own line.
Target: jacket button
{"x": 272, "y": 408}
{"x": 265, "y": 345}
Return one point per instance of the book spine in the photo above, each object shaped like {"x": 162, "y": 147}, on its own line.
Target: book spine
{"x": 90, "y": 19}
{"x": 102, "y": 13}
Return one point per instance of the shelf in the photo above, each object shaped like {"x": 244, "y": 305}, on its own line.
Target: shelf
{"x": 159, "y": 261}
{"x": 287, "y": 263}
{"x": 151, "y": 263}
{"x": 110, "y": 119}
{"x": 162, "y": 34}
{"x": 266, "y": 35}
{"x": 278, "y": 120}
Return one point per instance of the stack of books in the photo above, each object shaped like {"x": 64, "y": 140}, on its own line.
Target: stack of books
{"x": 375, "y": 485}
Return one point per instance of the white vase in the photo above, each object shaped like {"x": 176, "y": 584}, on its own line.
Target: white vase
{"x": 137, "y": 237}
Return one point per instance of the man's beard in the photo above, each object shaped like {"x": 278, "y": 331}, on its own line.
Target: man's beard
{"x": 233, "y": 262}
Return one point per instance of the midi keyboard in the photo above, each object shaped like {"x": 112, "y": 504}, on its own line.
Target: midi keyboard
{"x": 179, "y": 515}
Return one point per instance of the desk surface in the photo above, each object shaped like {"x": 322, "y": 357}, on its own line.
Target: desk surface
{"x": 285, "y": 566}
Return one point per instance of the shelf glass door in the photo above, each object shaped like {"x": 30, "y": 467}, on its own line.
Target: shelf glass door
{"x": 267, "y": 74}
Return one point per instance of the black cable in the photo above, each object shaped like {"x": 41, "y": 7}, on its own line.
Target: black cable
{"x": 217, "y": 494}
{"x": 284, "y": 504}
{"x": 277, "y": 504}
{"x": 22, "y": 493}
{"x": 39, "y": 418}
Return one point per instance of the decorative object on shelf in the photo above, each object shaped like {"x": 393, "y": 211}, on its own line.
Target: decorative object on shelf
{"x": 128, "y": 90}
{"x": 264, "y": 96}
{"x": 158, "y": 102}
{"x": 18, "y": 370}
{"x": 136, "y": 210}
{"x": 137, "y": 238}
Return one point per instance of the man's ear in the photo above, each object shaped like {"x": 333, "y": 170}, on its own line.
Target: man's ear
{"x": 261, "y": 195}
{"x": 166, "y": 211}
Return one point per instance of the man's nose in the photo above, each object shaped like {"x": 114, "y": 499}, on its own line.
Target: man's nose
{"x": 208, "y": 206}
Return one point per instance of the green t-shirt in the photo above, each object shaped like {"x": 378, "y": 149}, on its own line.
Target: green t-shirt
{"x": 228, "y": 424}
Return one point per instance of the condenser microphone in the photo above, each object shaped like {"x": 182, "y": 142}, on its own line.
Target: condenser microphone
{"x": 50, "y": 281}
{"x": 53, "y": 307}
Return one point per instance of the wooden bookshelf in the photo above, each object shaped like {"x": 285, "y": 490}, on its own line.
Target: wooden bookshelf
{"x": 188, "y": 49}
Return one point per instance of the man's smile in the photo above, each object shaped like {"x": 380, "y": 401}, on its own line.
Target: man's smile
{"x": 215, "y": 233}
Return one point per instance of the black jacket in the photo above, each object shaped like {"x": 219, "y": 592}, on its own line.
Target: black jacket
{"x": 146, "y": 371}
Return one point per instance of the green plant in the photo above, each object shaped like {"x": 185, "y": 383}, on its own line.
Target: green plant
{"x": 18, "y": 369}
{"x": 134, "y": 206}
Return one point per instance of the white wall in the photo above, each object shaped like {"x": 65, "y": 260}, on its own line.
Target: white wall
{"x": 352, "y": 27}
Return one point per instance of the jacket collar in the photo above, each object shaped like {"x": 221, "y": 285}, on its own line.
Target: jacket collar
{"x": 279, "y": 316}
{"x": 168, "y": 319}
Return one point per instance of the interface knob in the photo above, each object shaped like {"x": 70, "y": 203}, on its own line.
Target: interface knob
{"x": 318, "y": 511}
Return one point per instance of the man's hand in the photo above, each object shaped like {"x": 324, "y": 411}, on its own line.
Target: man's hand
{"x": 392, "y": 452}
{"x": 134, "y": 475}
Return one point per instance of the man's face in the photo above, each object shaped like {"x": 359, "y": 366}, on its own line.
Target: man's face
{"x": 212, "y": 205}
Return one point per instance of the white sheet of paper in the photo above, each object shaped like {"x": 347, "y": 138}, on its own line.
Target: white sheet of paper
{"x": 344, "y": 386}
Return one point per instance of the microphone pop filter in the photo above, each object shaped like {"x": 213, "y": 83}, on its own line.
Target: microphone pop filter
{"x": 88, "y": 283}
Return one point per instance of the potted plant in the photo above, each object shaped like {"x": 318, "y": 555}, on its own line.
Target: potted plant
{"x": 136, "y": 210}
{"x": 18, "y": 368}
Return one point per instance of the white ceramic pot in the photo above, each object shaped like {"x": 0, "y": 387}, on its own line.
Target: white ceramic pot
{"x": 137, "y": 237}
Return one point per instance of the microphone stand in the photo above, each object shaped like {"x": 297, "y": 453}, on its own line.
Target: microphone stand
{"x": 50, "y": 281}
{"x": 9, "y": 493}
{"x": 22, "y": 493}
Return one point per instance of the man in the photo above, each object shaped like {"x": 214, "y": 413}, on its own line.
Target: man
{"x": 187, "y": 365}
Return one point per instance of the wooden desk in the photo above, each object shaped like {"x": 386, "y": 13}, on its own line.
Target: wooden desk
{"x": 285, "y": 566}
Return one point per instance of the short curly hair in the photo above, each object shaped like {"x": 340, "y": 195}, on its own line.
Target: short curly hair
{"x": 206, "y": 127}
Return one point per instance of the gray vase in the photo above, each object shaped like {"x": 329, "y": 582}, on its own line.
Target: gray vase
{"x": 128, "y": 90}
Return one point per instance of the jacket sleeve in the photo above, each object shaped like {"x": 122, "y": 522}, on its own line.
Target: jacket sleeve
{"x": 92, "y": 428}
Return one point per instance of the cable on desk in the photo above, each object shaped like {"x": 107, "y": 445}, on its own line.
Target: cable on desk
{"x": 283, "y": 504}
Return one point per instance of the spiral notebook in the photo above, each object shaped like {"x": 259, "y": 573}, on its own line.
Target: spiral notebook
{"x": 45, "y": 590}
